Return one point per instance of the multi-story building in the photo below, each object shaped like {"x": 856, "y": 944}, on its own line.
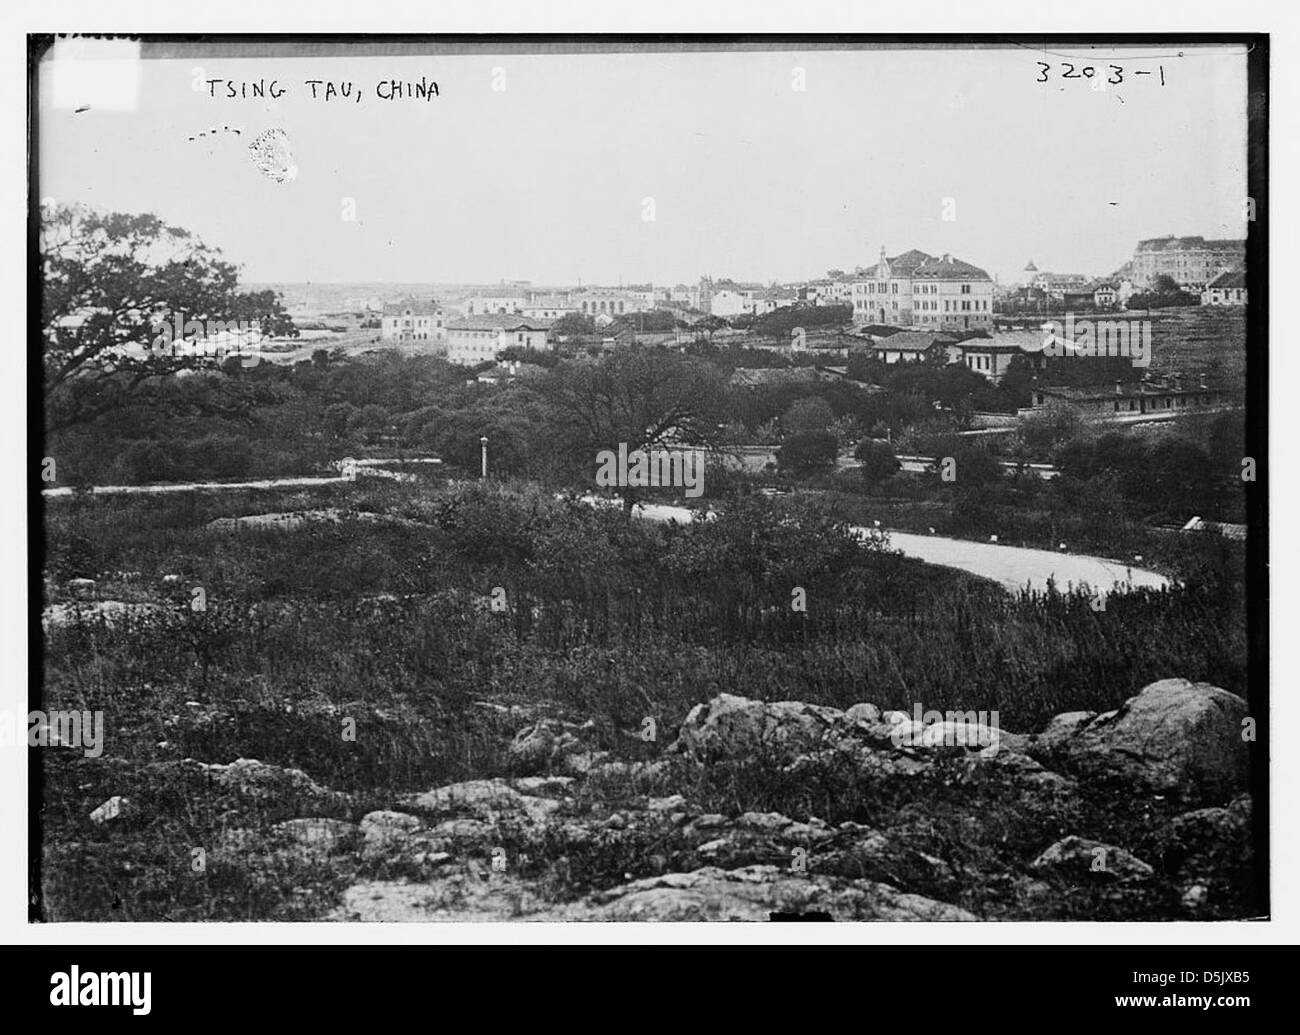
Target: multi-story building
{"x": 478, "y": 339}
{"x": 608, "y": 302}
{"x": 495, "y": 302}
{"x": 919, "y": 290}
{"x": 1225, "y": 289}
{"x": 412, "y": 321}
{"x": 548, "y": 307}
{"x": 1191, "y": 261}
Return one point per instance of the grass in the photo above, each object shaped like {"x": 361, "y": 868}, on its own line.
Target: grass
{"x": 392, "y": 628}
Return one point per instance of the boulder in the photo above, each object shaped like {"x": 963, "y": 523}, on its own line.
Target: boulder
{"x": 735, "y": 727}
{"x": 317, "y": 836}
{"x": 111, "y": 809}
{"x": 488, "y": 800}
{"x": 1174, "y": 736}
{"x": 759, "y": 893}
{"x": 1079, "y": 859}
{"x": 541, "y": 745}
{"x": 864, "y": 712}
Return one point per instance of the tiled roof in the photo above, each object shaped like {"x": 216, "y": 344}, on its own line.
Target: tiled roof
{"x": 417, "y": 308}
{"x": 499, "y": 322}
{"x": 1187, "y": 244}
{"x": 1229, "y": 279}
{"x": 912, "y": 341}
{"x": 1223, "y": 528}
{"x": 948, "y": 268}
{"x": 919, "y": 265}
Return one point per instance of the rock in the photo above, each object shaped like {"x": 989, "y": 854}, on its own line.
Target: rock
{"x": 1061, "y": 729}
{"x": 1208, "y": 841}
{"x": 111, "y": 809}
{"x": 862, "y": 853}
{"x": 867, "y": 713}
{"x": 1195, "y": 896}
{"x": 769, "y": 821}
{"x": 489, "y": 800}
{"x": 758, "y": 892}
{"x": 113, "y": 613}
{"x": 384, "y": 828}
{"x": 738, "y": 727}
{"x": 1079, "y": 859}
{"x": 1173, "y": 737}
{"x": 1026, "y": 771}
{"x": 317, "y": 835}
{"x": 542, "y": 784}
{"x": 540, "y": 745}
{"x": 853, "y": 756}
{"x": 669, "y": 804}
{"x": 272, "y": 784}
{"x": 580, "y": 763}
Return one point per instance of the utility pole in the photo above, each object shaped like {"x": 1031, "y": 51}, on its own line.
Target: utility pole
{"x": 483, "y": 442}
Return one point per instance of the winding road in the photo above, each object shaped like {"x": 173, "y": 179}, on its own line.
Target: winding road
{"x": 1013, "y": 567}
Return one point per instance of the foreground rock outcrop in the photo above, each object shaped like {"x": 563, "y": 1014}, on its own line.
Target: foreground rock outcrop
{"x": 1174, "y": 736}
{"x": 759, "y": 811}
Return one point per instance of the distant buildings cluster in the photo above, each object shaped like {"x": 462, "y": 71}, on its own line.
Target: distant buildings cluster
{"x": 912, "y": 291}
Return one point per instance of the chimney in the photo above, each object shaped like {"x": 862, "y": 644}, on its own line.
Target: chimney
{"x": 1119, "y": 387}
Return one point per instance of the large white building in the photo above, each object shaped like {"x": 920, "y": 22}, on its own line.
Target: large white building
{"x": 919, "y": 290}
{"x": 478, "y": 339}
{"x": 1191, "y": 261}
{"x": 612, "y": 302}
{"x": 412, "y": 321}
{"x": 495, "y": 302}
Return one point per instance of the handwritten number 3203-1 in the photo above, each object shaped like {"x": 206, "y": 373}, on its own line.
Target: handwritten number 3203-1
{"x": 1086, "y": 72}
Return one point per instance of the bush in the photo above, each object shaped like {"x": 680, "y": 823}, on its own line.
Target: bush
{"x": 878, "y": 460}
{"x": 807, "y": 451}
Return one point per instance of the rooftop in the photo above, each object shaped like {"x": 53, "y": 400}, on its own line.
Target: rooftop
{"x": 414, "y": 306}
{"x": 1229, "y": 279}
{"x": 1187, "y": 244}
{"x": 499, "y": 322}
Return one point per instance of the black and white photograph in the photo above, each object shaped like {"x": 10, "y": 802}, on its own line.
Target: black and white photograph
{"x": 578, "y": 479}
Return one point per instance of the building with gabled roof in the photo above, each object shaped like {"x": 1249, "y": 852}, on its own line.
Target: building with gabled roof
{"x": 478, "y": 339}
{"x": 1192, "y": 262}
{"x": 916, "y": 289}
{"x": 411, "y": 321}
{"x": 1226, "y": 289}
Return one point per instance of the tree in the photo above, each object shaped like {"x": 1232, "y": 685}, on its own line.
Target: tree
{"x": 114, "y": 287}
{"x": 878, "y": 460}
{"x": 811, "y": 413}
{"x": 638, "y": 397}
{"x": 807, "y": 451}
{"x": 573, "y": 324}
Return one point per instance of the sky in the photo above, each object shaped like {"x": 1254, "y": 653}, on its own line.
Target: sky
{"x": 638, "y": 166}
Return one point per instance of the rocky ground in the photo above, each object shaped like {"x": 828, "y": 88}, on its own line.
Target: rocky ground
{"x": 750, "y": 811}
